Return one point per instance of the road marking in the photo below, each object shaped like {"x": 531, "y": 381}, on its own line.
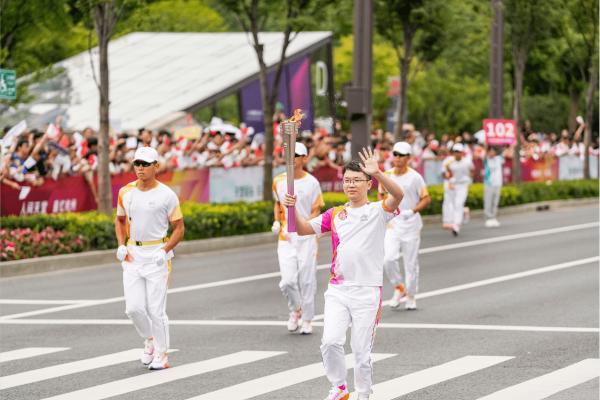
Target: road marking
{"x": 55, "y": 371}
{"x": 155, "y": 378}
{"x": 271, "y": 383}
{"x": 490, "y": 281}
{"x": 546, "y": 385}
{"x": 29, "y": 352}
{"x": 319, "y": 267}
{"x": 397, "y": 387}
{"x": 209, "y": 322}
{"x": 42, "y": 302}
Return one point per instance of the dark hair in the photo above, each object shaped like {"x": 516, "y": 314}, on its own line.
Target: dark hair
{"x": 355, "y": 166}
{"x": 21, "y": 142}
{"x": 92, "y": 141}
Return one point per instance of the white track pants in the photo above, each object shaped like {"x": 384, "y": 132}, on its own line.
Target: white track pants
{"x": 491, "y": 199}
{"x": 145, "y": 287}
{"x": 298, "y": 266}
{"x": 454, "y": 204}
{"x": 361, "y": 307}
{"x": 394, "y": 243}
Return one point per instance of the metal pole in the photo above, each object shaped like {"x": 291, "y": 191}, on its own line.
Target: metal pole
{"x": 358, "y": 96}
{"x": 497, "y": 61}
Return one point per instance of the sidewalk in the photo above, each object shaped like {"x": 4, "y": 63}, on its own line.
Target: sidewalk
{"x": 100, "y": 257}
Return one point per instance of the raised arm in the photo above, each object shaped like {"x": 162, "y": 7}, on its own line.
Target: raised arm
{"x": 371, "y": 167}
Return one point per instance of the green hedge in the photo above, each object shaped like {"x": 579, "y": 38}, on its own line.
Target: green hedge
{"x": 214, "y": 220}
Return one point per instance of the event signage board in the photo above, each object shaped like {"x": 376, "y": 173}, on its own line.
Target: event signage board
{"x": 499, "y": 132}
{"x": 8, "y": 84}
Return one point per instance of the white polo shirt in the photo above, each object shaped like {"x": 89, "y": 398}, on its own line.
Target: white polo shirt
{"x": 357, "y": 240}
{"x": 414, "y": 188}
{"x": 149, "y": 212}
{"x": 308, "y": 192}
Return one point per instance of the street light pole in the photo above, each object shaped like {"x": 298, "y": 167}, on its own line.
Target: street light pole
{"x": 358, "y": 96}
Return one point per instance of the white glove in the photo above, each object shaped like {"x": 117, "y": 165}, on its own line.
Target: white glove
{"x": 406, "y": 214}
{"x": 276, "y": 227}
{"x": 160, "y": 257}
{"x": 121, "y": 252}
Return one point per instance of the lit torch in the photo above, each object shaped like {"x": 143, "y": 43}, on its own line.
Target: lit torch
{"x": 289, "y": 131}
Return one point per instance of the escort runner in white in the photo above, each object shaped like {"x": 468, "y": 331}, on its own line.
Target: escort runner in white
{"x": 298, "y": 254}
{"x": 145, "y": 209}
{"x": 404, "y": 233}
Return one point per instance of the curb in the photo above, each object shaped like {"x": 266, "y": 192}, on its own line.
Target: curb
{"x": 98, "y": 257}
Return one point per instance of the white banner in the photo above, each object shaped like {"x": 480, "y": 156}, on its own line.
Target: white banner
{"x": 238, "y": 184}
{"x": 432, "y": 172}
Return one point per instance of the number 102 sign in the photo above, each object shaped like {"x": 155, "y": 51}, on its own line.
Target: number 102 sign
{"x": 500, "y": 131}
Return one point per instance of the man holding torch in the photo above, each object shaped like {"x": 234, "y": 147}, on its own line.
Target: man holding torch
{"x": 297, "y": 255}
{"x": 353, "y": 296}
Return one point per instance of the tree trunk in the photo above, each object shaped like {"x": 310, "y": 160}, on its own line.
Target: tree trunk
{"x": 519, "y": 59}
{"x": 268, "y": 122}
{"x": 402, "y": 110}
{"x": 103, "y": 15}
{"x": 589, "y": 117}
{"x": 573, "y": 108}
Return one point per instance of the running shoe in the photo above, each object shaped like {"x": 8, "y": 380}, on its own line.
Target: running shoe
{"x": 148, "y": 353}
{"x": 399, "y": 293}
{"x": 160, "y": 361}
{"x": 338, "y": 393}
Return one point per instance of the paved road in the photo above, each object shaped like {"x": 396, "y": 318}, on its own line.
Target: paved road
{"x": 506, "y": 313}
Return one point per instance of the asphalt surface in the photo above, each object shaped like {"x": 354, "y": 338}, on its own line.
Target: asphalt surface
{"x": 539, "y": 316}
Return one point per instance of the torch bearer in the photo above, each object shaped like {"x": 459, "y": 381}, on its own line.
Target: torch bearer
{"x": 289, "y": 131}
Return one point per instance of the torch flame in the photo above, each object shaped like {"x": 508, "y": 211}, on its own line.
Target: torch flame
{"x": 297, "y": 117}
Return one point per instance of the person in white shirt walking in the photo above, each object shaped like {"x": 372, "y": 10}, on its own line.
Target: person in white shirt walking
{"x": 404, "y": 233}
{"x": 458, "y": 172}
{"x": 145, "y": 208}
{"x": 353, "y": 296}
{"x": 298, "y": 254}
{"x": 492, "y": 186}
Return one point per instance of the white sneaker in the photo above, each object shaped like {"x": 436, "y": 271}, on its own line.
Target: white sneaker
{"x": 306, "y": 328}
{"x": 411, "y": 303}
{"x": 148, "y": 353}
{"x": 495, "y": 223}
{"x": 338, "y": 393}
{"x": 399, "y": 293}
{"x": 294, "y": 320}
{"x": 489, "y": 223}
{"x": 160, "y": 361}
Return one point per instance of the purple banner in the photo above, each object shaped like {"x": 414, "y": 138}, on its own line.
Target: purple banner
{"x": 294, "y": 92}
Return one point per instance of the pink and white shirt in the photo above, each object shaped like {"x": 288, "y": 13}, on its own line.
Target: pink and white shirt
{"x": 357, "y": 240}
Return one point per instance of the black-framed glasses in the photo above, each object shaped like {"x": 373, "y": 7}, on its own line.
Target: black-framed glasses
{"x": 348, "y": 181}
{"x": 396, "y": 154}
{"x": 140, "y": 163}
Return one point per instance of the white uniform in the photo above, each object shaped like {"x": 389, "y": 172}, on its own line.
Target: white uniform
{"x": 298, "y": 254}
{"x": 456, "y": 190}
{"x": 405, "y": 234}
{"x": 148, "y": 214}
{"x": 492, "y": 185}
{"x": 354, "y": 292}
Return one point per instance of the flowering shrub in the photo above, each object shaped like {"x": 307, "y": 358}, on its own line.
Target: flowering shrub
{"x": 20, "y": 243}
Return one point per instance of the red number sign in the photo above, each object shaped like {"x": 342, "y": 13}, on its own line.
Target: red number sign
{"x": 500, "y": 131}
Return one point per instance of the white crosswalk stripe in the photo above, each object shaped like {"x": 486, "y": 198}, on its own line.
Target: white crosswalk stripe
{"x": 549, "y": 384}
{"x": 395, "y": 388}
{"x": 537, "y": 388}
{"x": 155, "y": 378}
{"x": 267, "y": 384}
{"x": 56, "y": 371}
{"x": 29, "y": 352}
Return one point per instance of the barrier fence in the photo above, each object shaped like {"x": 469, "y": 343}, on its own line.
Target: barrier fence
{"x": 218, "y": 185}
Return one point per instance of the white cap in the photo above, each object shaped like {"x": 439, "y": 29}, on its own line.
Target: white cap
{"x": 402, "y": 148}
{"x": 458, "y": 147}
{"x": 301, "y": 149}
{"x": 147, "y": 154}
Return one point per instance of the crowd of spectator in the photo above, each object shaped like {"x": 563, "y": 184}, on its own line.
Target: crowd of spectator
{"x": 35, "y": 156}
